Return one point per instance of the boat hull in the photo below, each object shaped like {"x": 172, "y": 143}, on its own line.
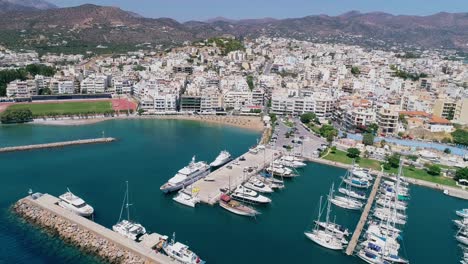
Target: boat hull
{"x": 167, "y": 188}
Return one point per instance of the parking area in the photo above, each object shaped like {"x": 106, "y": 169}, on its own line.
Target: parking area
{"x": 296, "y": 139}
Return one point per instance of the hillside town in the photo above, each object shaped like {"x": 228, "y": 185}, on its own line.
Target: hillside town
{"x": 349, "y": 85}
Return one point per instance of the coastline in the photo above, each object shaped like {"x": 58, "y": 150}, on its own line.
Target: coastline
{"x": 247, "y": 122}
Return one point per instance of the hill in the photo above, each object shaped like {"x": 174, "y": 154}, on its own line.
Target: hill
{"x": 90, "y": 27}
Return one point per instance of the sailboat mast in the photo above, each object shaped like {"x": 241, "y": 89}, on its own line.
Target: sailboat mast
{"x": 329, "y": 204}
{"x": 128, "y": 203}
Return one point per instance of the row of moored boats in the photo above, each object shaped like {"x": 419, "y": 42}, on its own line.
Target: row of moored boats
{"x": 129, "y": 228}
{"x": 462, "y": 234}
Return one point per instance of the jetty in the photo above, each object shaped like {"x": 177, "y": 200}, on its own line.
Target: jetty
{"x": 42, "y": 210}
{"x": 233, "y": 174}
{"x": 58, "y": 144}
{"x": 365, "y": 213}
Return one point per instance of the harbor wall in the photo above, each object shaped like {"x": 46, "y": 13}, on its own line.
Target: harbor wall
{"x": 57, "y": 144}
{"x": 86, "y": 235}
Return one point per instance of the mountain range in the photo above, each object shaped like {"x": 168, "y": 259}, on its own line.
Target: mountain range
{"x": 35, "y": 23}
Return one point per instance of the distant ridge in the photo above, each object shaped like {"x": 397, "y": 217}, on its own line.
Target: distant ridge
{"x": 96, "y": 25}
{"x": 24, "y": 5}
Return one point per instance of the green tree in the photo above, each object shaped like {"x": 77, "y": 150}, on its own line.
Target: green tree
{"x": 16, "y": 116}
{"x": 308, "y": 117}
{"x": 393, "y": 161}
{"x": 355, "y": 70}
{"x": 368, "y": 139}
{"x": 373, "y": 128}
{"x": 433, "y": 170}
{"x": 460, "y": 136}
{"x": 461, "y": 173}
{"x": 353, "y": 153}
{"x": 250, "y": 82}
{"x": 447, "y": 151}
{"x": 140, "y": 111}
{"x": 273, "y": 118}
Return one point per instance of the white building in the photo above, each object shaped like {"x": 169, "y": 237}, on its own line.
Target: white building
{"x": 66, "y": 87}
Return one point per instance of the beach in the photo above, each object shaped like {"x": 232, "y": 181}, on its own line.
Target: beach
{"x": 246, "y": 122}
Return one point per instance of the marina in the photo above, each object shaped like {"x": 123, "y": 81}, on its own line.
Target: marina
{"x": 362, "y": 221}
{"x": 158, "y": 212}
{"x": 233, "y": 174}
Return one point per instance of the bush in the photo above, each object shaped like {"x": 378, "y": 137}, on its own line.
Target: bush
{"x": 393, "y": 161}
{"x": 433, "y": 170}
{"x": 461, "y": 173}
{"x": 368, "y": 139}
{"x": 447, "y": 151}
{"x": 353, "y": 153}
{"x": 460, "y": 136}
{"x": 16, "y": 116}
{"x": 307, "y": 117}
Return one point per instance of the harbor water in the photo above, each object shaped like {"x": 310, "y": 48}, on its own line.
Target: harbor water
{"x": 147, "y": 153}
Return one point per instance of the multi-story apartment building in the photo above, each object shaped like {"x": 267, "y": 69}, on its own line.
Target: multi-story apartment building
{"x": 359, "y": 117}
{"x": 461, "y": 111}
{"x": 445, "y": 108}
{"x": 66, "y": 87}
{"x": 321, "y": 104}
{"x": 94, "y": 84}
{"x": 19, "y": 89}
{"x": 190, "y": 103}
{"x": 387, "y": 120}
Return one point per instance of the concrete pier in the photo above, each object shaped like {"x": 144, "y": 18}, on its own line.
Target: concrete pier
{"x": 86, "y": 234}
{"x": 362, "y": 221}
{"x": 232, "y": 174}
{"x": 58, "y": 144}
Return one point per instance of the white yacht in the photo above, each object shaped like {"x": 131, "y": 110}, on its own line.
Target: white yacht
{"x": 290, "y": 161}
{"x": 181, "y": 252}
{"x": 462, "y": 213}
{"x": 126, "y": 227}
{"x": 75, "y": 204}
{"x": 184, "y": 198}
{"x": 353, "y": 194}
{"x": 462, "y": 239}
{"x": 346, "y": 202}
{"x": 325, "y": 239}
{"x": 186, "y": 176}
{"x": 384, "y": 216}
{"x": 391, "y": 204}
{"x": 223, "y": 158}
{"x": 257, "y": 185}
{"x": 244, "y": 194}
{"x": 461, "y": 222}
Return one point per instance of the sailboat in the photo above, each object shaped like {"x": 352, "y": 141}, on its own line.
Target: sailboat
{"x": 331, "y": 226}
{"x": 345, "y": 202}
{"x": 348, "y": 191}
{"x": 325, "y": 238}
{"x": 126, "y": 227}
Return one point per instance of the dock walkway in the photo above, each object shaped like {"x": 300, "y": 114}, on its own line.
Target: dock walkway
{"x": 58, "y": 144}
{"x": 225, "y": 177}
{"x": 362, "y": 221}
{"x": 48, "y": 202}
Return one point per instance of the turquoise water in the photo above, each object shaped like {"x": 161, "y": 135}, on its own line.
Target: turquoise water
{"x": 147, "y": 153}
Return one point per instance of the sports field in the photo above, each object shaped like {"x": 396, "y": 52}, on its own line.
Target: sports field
{"x": 65, "y": 108}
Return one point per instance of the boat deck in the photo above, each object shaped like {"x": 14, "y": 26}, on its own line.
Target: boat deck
{"x": 365, "y": 213}
{"x": 48, "y": 202}
{"x": 209, "y": 191}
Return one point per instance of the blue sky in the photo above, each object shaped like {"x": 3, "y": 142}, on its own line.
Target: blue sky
{"x": 184, "y": 10}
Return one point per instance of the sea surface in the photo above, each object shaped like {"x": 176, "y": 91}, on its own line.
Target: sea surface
{"x": 148, "y": 153}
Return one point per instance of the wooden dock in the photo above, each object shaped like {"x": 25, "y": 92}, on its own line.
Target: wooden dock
{"x": 48, "y": 203}
{"x": 233, "y": 174}
{"x": 362, "y": 221}
{"x": 57, "y": 144}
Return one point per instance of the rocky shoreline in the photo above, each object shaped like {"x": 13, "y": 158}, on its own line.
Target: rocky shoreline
{"x": 71, "y": 233}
